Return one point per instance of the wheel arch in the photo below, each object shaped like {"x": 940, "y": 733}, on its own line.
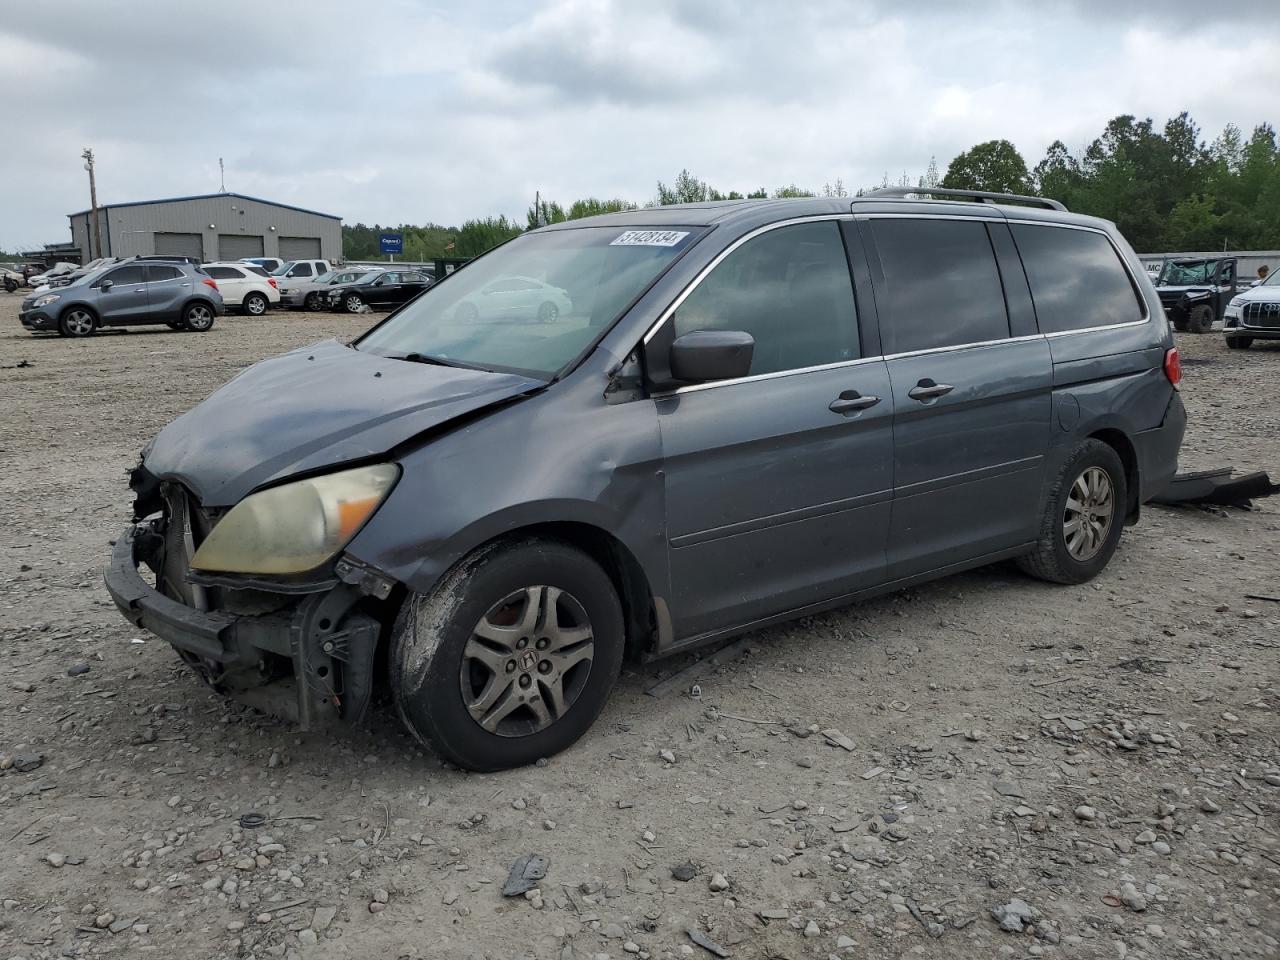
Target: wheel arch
{"x": 1120, "y": 442}
{"x": 81, "y": 305}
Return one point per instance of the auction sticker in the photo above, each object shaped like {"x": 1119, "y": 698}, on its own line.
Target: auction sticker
{"x": 650, "y": 238}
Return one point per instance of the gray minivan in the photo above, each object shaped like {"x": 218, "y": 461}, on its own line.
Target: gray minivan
{"x": 753, "y": 411}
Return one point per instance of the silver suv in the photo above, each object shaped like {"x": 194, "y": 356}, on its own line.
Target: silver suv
{"x": 178, "y": 294}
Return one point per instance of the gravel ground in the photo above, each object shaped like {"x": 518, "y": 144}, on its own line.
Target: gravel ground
{"x": 1098, "y": 763}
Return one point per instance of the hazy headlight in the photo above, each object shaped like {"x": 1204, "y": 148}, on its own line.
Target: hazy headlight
{"x": 1236, "y": 302}
{"x": 298, "y": 526}
{"x": 46, "y": 300}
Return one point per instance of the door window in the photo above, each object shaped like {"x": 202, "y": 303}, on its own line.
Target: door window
{"x": 221, "y": 273}
{"x": 157, "y": 273}
{"x": 129, "y": 274}
{"x": 790, "y": 289}
{"x": 301, "y": 270}
{"x": 1077, "y": 279}
{"x": 942, "y": 286}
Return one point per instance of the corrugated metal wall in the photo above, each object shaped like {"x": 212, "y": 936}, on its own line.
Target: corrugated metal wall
{"x": 130, "y": 230}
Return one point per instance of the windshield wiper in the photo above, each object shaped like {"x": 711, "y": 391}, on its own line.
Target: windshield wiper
{"x": 427, "y": 358}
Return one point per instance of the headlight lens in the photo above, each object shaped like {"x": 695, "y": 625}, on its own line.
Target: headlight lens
{"x": 298, "y": 526}
{"x": 1236, "y": 302}
{"x": 46, "y": 300}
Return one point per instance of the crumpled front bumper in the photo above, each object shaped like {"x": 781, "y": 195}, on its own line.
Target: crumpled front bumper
{"x": 328, "y": 638}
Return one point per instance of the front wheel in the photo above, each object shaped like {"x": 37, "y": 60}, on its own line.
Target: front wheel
{"x": 352, "y": 303}
{"x": 255, "y": 304}
{"x": 77, "y": 322}
{"x": 313, "y": 302}
{"x": 1083, "y": 518}
{"x": 1239, "y": 343}
{"x": 548, "y": 312}
{"x": 1200, "y": 319}
{"x": 197, "y": 317}
{"x": 511, "y": 658}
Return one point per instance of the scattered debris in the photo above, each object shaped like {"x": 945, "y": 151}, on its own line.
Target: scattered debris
{"x": 525, "y": 874}
{"x": 705, "y": 942}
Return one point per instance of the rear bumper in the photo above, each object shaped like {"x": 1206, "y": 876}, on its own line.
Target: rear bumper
{"x": 1157, "y": 450}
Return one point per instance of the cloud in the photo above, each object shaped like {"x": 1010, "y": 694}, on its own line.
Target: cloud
{"x": 413, "y": 111}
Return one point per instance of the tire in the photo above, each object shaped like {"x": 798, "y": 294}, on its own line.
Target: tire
{"x": 10, "y": 285}
{"x": 312, "y": 302}
{"x": 198, "y": 317}
{"x": 77, "y": 322}
{"x": 254, "y": 305}
{"x": 1239, "y": 343}
{"x": 1055, "y": 558}
{"x": 1180, "y": 324}
{"x": 1200, "y": 318}
{"x": 466, "y": 313}
{"x": 438, "y": 663}
{"x": 352, "y": 303}
{"x": 548, "y": 312}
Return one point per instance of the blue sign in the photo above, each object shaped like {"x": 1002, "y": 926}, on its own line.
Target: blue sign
{"x": 391, "y": 242}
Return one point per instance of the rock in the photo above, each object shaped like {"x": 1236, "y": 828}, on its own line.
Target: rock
{"x": 719, "y": 882}
{"x": 381, "y": 896}
{"x": 104, "y": 920}
{"x": 1162, "y": 848}
{"x": 684, "y": 872}
{"x": 1209, "y": 806}
{"x": 1012, "y": 916}
{"x": 208, "y": 854}
{"x": 845, "y": 943}
{"x": 1132, "y": 898}
{"x": 811, "y": 929}
{"x": 120, "y": 926}
{"x": 377, "y": 907}
{"x": 307, "y": 938}
{"x": 26, "y": 762}
{"x": 1007, "y": 789}
{"x": 24, "y": 686}
{"x": 613, "y": 931}
{"x": 1146, "y": 836}
{"x": 321, "y": 919}
{"x": 1086, "y": 812}
{"x": 631, "y": 947}
{"x": 78, "y": 670}
{"x": 55, "y": 859}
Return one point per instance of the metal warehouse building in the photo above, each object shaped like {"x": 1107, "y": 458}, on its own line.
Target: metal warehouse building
{"x": 214, "y": 226}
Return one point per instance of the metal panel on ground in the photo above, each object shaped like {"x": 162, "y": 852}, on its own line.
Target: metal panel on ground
{"x": 180, "y": 245}
{"x": 300, "y": 248}
{"x": 233, "y": 246}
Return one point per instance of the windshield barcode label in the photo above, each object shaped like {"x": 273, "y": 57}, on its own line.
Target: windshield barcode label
{"x": 650, "y": 238}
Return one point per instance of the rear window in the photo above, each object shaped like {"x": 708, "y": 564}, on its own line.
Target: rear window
{"x": 157, "y": 273}
{"x": 1077, "y": 279}
{"x": 257, "y": 271}
{"x": 942, "y": 284}
{"x": 224, "y": 273}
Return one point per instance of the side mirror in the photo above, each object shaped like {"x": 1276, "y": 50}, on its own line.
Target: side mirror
{"x": 712, "y": 355}
{"x": 106, "y": 285}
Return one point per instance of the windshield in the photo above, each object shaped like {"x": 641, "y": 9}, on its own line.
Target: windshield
{"x": 1271, "y": 279}
{"x": 281, "y": 270}
{"x": 369, "y": 277}
{"x": 534, "y": 304}
{"x": 326, "y": 276}
{"x": 1187, "y": 272}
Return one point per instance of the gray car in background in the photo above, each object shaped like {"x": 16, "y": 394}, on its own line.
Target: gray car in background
{"x": 309, "y": 294}
{"x": 132, "y": 293}
{"x": 748, "y": 412}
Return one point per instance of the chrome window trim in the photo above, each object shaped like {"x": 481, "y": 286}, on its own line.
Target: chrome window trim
{"x": 702, "y": 274}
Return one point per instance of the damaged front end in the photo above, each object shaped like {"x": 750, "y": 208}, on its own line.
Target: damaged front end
{"x": 302, "y": 647}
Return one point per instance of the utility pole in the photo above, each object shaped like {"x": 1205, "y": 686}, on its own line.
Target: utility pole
{"x": 87, "y": 157}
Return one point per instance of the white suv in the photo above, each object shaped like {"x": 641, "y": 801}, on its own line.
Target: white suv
{"x": 244, "y": 285}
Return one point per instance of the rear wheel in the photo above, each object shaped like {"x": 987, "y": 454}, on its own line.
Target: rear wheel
{"x": 1200, "y": 318}
{"x": 511, "y": 657}
{"x": 77, "y": 322}
{"x": 1083, "y": 518}
{"x": 197, "y": 317}
{"x": 255, "y": 304}
{"x": 1239, "y": 343}
{"x": 548, "y": 312}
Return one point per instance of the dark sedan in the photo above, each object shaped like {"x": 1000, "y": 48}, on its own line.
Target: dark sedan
{"x": 385, "y": 289}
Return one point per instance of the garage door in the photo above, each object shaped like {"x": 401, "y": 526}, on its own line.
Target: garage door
{"x": 180, "y": 244}
{"x": 300, "y": 248}
{"x": 233, "y": 246}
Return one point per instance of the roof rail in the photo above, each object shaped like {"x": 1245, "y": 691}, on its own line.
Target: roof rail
{"x": 982, "y": 196}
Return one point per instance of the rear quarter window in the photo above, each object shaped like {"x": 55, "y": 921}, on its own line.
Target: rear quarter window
{"x": 1077, "y": 278}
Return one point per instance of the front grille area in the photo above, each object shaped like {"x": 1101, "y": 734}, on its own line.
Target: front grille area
{"x": 1264, "y": 315}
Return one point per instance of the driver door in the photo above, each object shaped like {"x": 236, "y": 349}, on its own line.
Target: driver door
{"x": 125, "y": 297}
{"x": 778, "y": 484}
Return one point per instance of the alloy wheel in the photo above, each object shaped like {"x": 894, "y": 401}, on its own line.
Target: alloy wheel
{"x": 256, "y": 306}
{"x": 79, "y": 323}
{"x": 199, "y": 317}
{"x": 527, "y": 661}
{"x": 1090, "y": 510}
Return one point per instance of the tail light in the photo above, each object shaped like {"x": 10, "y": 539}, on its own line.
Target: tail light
{"x": 1173, "y": 366}
{"x": 209, "y": 282}
{"x": 272, "y": 281}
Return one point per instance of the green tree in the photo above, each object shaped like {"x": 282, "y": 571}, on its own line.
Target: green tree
{"x": 686, "y": 189}
{"x": 995, "y": 165}
{"x": 1194, "y": 225}
{"x": 477, "y": 236}
{"x": 543, "y": 213}
{"x": 591, "y": 207}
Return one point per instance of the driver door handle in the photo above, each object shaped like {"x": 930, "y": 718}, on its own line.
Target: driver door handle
{"x": 927, "y": 390}
{"x": 851, "y": 401}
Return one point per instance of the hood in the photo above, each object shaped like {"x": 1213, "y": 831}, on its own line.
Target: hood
{"x": 317, "y": 407}
{"x": 1271, "y": 292}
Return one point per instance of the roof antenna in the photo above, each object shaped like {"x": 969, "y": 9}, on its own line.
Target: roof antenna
{"x": 222, "y": 175}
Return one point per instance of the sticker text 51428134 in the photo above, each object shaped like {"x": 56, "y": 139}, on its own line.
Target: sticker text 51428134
{"x": 650, "y": 238}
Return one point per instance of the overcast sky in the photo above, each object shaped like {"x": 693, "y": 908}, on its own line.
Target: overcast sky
{"x": 405, "y": 111}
